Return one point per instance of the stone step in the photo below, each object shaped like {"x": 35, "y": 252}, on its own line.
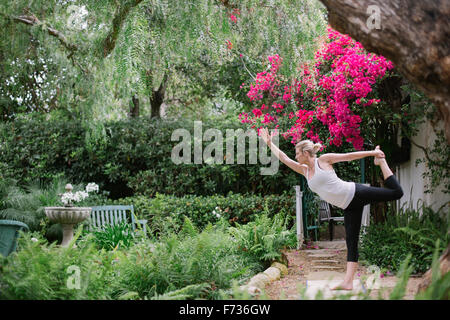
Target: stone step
{"x": 322, "y": 256}
{"x": 339, "y": 244}
{"x": 326, "y": 268}
{"x": 325, "y": 261}
{"x": 317, "y": 251}
{"x": 326, "y": 275}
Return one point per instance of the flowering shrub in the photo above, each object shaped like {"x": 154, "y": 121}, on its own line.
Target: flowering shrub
{"x": 331, "y": 94}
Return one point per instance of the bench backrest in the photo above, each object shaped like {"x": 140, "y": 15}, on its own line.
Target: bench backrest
{"x": 102, "y": 216}
{"x": 324, "y": 210}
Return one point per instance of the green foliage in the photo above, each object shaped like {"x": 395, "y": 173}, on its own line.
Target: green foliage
{"x": 264, "y": 238}
{"x": 130, "y": 156}
{"x": 27, "y": 204}
{"x": 39, "y": 271}
{"x": 405, "y": 271}
{"x": 439, "y": 288}
{"x": 172, "y": 268}
{"x": 189, "y": 266}
{"x": 116, "y": 236}
{"x": 167, "y": 212}
{"x": 86, "y": 74}
{"x": 412, "y": 232}
{"x": 189, "y": 292}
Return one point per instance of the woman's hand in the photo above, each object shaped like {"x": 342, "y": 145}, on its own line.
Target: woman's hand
{"x": 377, "y": 153}
{"x": 265, "y": 135}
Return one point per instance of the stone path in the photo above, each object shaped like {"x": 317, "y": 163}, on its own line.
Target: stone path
{"x": 327, "y": 271}
{"x": 320, "y": 269}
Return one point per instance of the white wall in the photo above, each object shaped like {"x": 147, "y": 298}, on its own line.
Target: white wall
{"x": 410, "y": 175}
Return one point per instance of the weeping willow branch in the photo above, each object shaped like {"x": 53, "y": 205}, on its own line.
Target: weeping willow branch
{"x": 121, "y": 14}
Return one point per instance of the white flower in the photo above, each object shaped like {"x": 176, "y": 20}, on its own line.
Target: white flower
{"x": 81, "y": 195}
{"x": 216, "y": 214}
{"x": 34, "y": 239}
{"x": 67, "y": 198}
{"x": 91, "y": 187}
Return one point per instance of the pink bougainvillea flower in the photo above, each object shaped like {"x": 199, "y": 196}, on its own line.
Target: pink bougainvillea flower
{"x": 329, "y": 94}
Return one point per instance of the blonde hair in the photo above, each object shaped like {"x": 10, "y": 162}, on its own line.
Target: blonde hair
{"x": 308, "y": 145}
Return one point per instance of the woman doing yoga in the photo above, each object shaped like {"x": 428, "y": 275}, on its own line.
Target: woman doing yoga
{"x": 350, "y": 196}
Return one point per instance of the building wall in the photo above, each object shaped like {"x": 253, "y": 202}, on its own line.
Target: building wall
{"x": 411, "y": 177}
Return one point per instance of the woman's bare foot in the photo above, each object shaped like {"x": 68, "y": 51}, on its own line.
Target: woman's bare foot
{"x": 377, "y": 160}
{"x": 343, "y": 286}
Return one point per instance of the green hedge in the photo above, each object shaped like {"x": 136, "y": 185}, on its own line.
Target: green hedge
{"x": 410, "y": 231}
{"x": 133, "y": 156}
{"x": 163, "y": 210}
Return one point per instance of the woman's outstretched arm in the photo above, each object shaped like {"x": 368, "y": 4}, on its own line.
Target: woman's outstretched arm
{"x": 350, "y": 156}
{"x": 294, "y": 165}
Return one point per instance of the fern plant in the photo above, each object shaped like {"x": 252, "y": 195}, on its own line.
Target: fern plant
{"x": 187, "y": 259}
{"x": 27, "y": 204}
{"x": 264, "y": 238}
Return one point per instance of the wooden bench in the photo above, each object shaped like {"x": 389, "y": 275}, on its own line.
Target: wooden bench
{"x": 325, "y": 215}
{"x": 102, "y": 216}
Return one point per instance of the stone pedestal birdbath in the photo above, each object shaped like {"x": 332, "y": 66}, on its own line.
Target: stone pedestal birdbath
{"x": 68, "y": 216}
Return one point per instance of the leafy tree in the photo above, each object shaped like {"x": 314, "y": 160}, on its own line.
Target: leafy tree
{"x": 107, "y": 59}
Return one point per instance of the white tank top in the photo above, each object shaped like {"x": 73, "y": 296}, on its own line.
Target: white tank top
{"x": 329, "y": 187}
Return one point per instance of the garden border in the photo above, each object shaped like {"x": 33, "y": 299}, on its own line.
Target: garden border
{"x": 258, "y": 282}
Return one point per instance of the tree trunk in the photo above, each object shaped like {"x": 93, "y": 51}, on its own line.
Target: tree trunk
{"x": 157, "y": 98}
{"x": 134, "y": 110}
{"x": 412, "y": 34}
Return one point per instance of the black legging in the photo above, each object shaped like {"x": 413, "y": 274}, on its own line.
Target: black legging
{"x": 353, "y": 213}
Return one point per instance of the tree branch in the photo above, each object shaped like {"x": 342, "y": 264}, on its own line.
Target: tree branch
{"x": 33, "y": 20}
{"x": 110, "y": 41}
{"x": 227, "y": 4}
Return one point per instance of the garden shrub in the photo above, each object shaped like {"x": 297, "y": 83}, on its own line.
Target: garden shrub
{"x": 264, "y": 238}
{"x": 409, "y": 232}
{"x": 190, "y": 264}
{"x": 209, "y": 258}
{"x": 133, "y": 156}
{"x": 167, "y": 211}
